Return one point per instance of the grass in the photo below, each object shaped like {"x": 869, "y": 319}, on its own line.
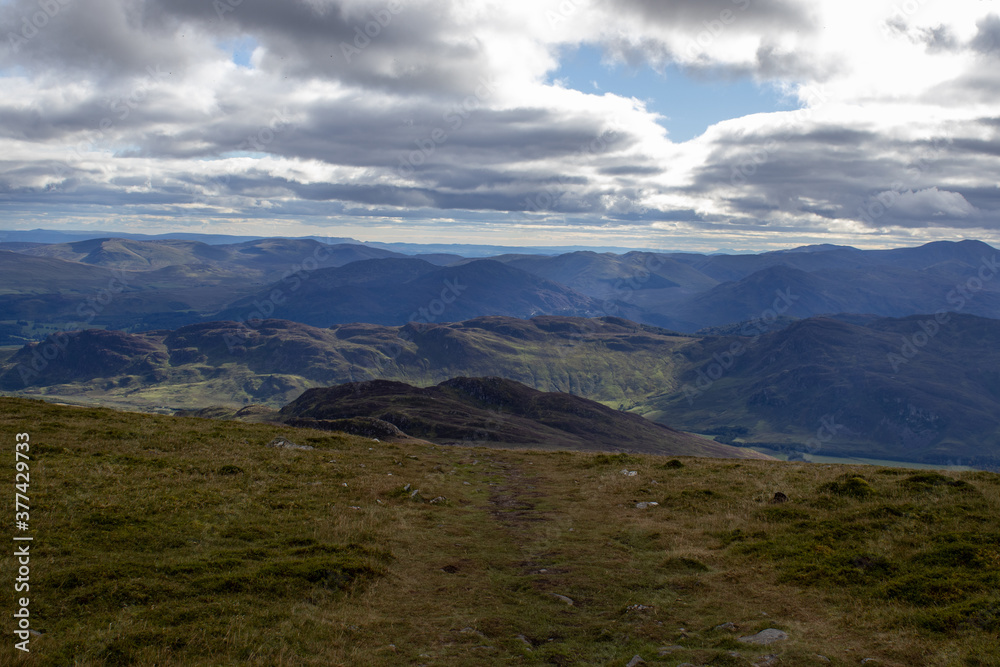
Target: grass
{"x": 165, "y": 541}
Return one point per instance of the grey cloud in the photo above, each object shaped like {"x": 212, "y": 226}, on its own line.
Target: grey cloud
{"x": 987, "y": 39}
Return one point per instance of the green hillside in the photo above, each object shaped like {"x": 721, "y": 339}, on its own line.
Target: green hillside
{"x": 179, "y": 541}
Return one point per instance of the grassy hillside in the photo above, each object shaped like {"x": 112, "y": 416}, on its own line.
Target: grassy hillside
{"x": 176, "y": 541}
{"x": 608, "y": 360}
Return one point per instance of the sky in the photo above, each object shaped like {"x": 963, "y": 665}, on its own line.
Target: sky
{"x": 683, "y": 125}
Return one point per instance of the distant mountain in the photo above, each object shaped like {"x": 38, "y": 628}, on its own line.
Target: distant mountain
{"x": 263, "y": 257}
{"x": 909, "y": 388}
{"x": 894, "y": 290}
{"x": 496, "y": 411}
{"x": 611, "y": 276}
{"x": 396, "y": 291}
{"x": 71, "y": 236}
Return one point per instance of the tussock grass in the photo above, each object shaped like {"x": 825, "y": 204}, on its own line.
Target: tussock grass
{"x": 163, "y": 541}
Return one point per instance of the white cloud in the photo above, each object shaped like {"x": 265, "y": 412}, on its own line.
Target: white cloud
{"x": 895, "y": 101}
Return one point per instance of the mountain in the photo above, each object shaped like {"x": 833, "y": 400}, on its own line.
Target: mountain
{"x": 910, "y": 388}
{"x": 892, "y": 389}
{"x": 608, "y": 275}
{"x": 259, "y": 257}
{"x": 396, "y": 291}
{"x": 606, "y": 359}
{"x": 495, "y": 411}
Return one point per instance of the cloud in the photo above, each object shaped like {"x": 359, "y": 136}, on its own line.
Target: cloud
{"x": 331, "y": 110}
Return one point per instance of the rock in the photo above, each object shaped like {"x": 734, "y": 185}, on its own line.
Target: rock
{"x": 870, "y": 661}
{"x": 638, "y": 607}
{"x": 636, "y": 660}
{"x": 779, "y": 497}
{"x": 472, "y": 631}
{"x": 667, "y": 650}
{"x": 406, "y": 488}
{"x": 766, "y": 661}
{"x": 562, "y": 598}
{"x": 644, "y": 505}
{"x": 284, "y": 443}
{"x": 726, "y": 626}
{"x": 765, "y": 637}
{"x": 629, "y": 473}
{"x": 525, "y": 641}
{"x": 413, "y": 494}
{"x": 822, "y": 658}
{"x": 439, "y": 500}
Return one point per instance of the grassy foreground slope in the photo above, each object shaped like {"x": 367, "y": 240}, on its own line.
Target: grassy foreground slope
{"x": 175, "y": 541}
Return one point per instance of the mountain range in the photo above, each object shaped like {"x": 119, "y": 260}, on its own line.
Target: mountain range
{"x": 137, "y": 285}
{"x": 920, "y": 388}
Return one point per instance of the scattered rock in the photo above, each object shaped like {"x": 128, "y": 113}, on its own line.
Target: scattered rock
{"x": 636, "y": 660}
{"x": 413, "y": 494}
{"x": 562, "y": 598}
{"x": 472, "y": 631}
{"x": 439, "y": 500}
{"x": 638, "y": 607}
{"x": 726, "y": 626}
{"x": 765, "y": 637}
{"x": 644, "y": 505}
{"x": 667, "y": 650}
{"x": 406, "y": 488}
{"x": 525, "y": 641}
{"x": 779, "y": 497}
{"x": 869, "y": 661}
{"x": 822, "y": 658}
{"x": 766, "y": 661}
{"x": 629, "y": 473}
{"x": 284, "y": 443}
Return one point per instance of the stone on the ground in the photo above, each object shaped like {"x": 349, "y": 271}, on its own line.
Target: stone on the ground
{"x": 726, "y": 626}
{"x": 646, "y": 504}
{"x": 284, "y": 443}
{"x": 562, "y": 598}
{"x": 765, "y": 637}
{"x": 636, "y": 660}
